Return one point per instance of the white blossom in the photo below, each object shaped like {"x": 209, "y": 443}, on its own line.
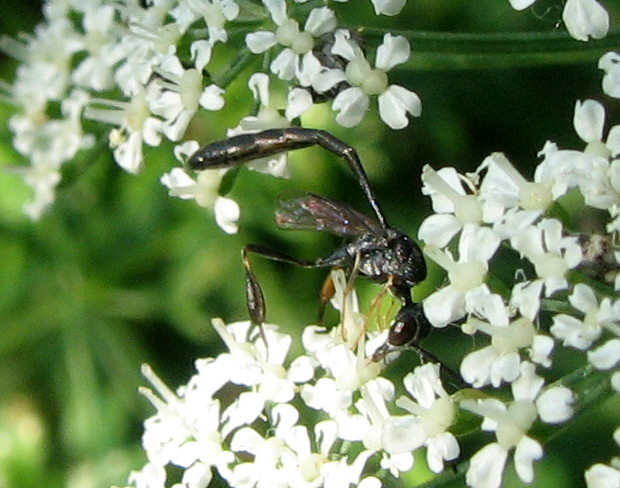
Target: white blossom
{"x": 433, "y": 412}
{"x": 551, "y": 253}
{"x": 180, "y": 95}
{"x": 606, "y": 356}
{"x": 501, "y": 360}
{"x": 454, "y": 208}
{"x": 203, "y": 189}
{"x": 136, "y": 126}
{"x": 511, "y": 202}
{"x": 215, "y": 14}
{"x": 297, "y": 44}
{"x": 582, "y": 333}
{"x": 511, "y": 422}
{"x": 476, "y": 247}
{"x": 100, "y": 42}
{"x": 395, "y": 102}
{"x": 48, "y": 146}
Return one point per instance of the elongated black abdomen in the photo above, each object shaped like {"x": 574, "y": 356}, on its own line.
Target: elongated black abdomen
{"x": 246, "y": 147}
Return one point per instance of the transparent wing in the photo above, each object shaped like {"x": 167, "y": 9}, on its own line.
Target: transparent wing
{"x": 307, "y": 211}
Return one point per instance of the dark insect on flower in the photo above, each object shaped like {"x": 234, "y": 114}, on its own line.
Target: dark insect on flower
{"x": 371, "y": 248}
{"x": 323, "y": 52}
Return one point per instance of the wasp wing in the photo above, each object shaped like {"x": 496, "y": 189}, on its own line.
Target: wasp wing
{"x": 308, "y": 211}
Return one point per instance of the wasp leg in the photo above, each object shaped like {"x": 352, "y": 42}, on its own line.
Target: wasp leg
{"x": 255, "y": 297}
{"x": 327, "y": 292}
{"x": 254, "y": 293}
{"x": 246, "y": 147}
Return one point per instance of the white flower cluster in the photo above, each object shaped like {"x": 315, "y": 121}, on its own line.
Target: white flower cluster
{"x": 239, "y": 415}
{"x": 255, "y": 419}
{"x": 146, "y": 70}
{"x": 256, "y": 439}
{"x": 495, "y": 207}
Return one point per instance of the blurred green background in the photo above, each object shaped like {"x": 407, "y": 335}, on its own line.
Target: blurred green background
{"x": 118, "y": 273}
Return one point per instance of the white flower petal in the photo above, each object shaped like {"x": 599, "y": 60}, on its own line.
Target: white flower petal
{"x": 308, "y": 69}
{"x": 529, "y": 384}
{"x": 588, "y": 120}
{"x": 402, "y": 434}
{"x": 388, "y": 7}
{"x": 128, "y": 155}
{"x": 527, "y": 451}
{"x": 245, "y": 410}
{"x": 370, "y": 482}
{"x": 554, "y": 405}
{"x": 298, "y": 101}
{"x": 320, "y": 21}
{"x": 201, "y": 53}
{"x": 541, "y": 350}
{"x": 526, "y": 297}
{"x": 327, "y": 78}
{"x": 395, "y": 103}
{"x": 439, "y": 229}
{"x": 344, "y": 46}
{"x": 613, "y": 140}
{"x": 615, "y": 381}
{"x": 602, "y": 476}
{"x": 185, "y": 150}
{"x": 583, "y": 298}
{"x": 435, "y": 186}
{"x": 610, "y": 63}
{"x": 397, "y": 463}
{"x": 227, "y": 214}
{"x": 444, "y": 306}
{"x": 443, "y": 447}
{"x": 285, "y": 64}
{"x": 259, "y": 85}
{"x": 211, "y": 98}
{"x": 258, "y": 42}
{"x": 393, "y": 51}
{"x": 351, "y": 105}
{"x": 246, "y": 440}
{"x": 606, "y": 356}
{"x": 486, "y": 467}
{"x": 177, "y": 179}
{"x": 585, "y": 19}
{"x": 521, "y": 4}
{"x": 477, "y": 243}
{"x": 301, "y": 370}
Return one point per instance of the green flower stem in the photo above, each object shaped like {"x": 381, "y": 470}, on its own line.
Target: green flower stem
{"x": 243, "y": 59}
{"x": 441, "y": 50}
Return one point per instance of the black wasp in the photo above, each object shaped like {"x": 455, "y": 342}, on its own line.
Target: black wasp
{"x": 371, "y": 248}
